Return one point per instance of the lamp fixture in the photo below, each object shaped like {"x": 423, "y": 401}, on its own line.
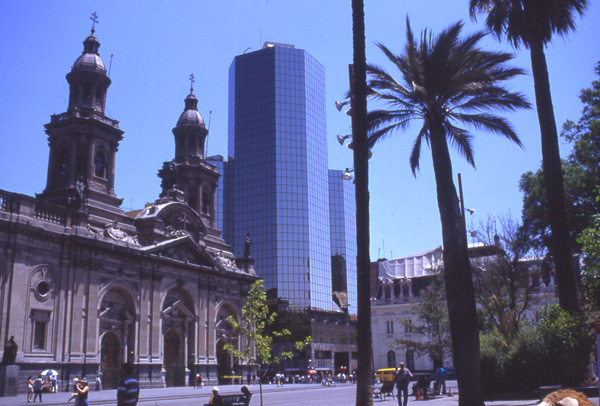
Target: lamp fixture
{"x": 346, "y": 175}
{"x": 342, "y": 138}
{"x": 340, "y": 105}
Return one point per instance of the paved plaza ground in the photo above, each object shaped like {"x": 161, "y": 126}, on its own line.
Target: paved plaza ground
{"x": 297, "y": 395}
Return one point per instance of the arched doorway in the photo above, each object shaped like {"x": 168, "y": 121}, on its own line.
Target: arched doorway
{"x": 178, "y": 315}
{"x": 117, "y": 316}
{"x": 224, "y": 363}
{"x": 227, "y": 366}
{"x": 172, "y": 362}
{"x": 110, "y": 360}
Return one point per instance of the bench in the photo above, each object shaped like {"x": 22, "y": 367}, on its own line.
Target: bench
{"x": 236, "y": 399}
{"x": 384, "y": 390}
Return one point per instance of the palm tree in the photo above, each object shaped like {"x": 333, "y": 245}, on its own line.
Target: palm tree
{"x": 448, "y": 83}
{"x": 532, "y": 24}
{"x": 364, "y": 387}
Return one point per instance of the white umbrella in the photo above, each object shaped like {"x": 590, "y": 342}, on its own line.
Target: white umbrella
{"x": 50, "y": 372}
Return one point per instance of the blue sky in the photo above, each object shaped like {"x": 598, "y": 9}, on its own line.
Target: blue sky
{"x": 157, "y": 44}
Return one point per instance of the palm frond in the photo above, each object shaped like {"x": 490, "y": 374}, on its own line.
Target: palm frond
{"x": 489, "y": 122}
{"x": 494, "y": 98}
{"x": 461, "y": 140}
{"x": 415, "y": 153}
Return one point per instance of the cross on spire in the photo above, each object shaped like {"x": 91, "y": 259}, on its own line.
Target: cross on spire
{"x": 94, "y": 19}
{"x": 192, "y": 81}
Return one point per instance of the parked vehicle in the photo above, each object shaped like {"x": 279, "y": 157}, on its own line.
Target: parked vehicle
{"x": 385, "y": 374}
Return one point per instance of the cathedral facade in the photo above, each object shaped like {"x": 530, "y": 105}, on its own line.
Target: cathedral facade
{"x": 86, "y": 286}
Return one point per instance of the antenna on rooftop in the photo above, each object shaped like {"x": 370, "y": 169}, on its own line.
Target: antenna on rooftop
{"x": 209, "y": 120}
{"x": 110, "y": 65}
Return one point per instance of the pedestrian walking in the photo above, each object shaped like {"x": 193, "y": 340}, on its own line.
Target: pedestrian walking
{"x": 402, "y": 377}
{"x": 128, "y": 390}
{"x": 38, "y": 384}
{"x": 82, "y": 389}
{"x": 29, "y": 388}
{"x": 54, "y": 387}
{"x": 440, "y": 376}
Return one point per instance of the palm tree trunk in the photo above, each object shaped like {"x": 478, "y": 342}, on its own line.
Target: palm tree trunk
{"x": 460, "y": 294}
{"x": 364, "y": 387}
{"x": 561, "y": 247}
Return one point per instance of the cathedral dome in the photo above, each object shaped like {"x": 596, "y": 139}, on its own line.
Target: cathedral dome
{"x": 90, "y": 58}
{"x": 190, "y": 115}
{"x": 89, "y": 62}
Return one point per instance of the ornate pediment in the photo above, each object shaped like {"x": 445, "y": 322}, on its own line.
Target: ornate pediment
{"x": 182, "y": 249}
{"x": 115, "y": 315}
{"x": 177, "y": 312}
{"x": 170, "y": 220}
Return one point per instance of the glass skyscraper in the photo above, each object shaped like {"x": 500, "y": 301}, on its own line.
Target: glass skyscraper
{"x": 279, "y": 177}
{"x": 342, "y": 216}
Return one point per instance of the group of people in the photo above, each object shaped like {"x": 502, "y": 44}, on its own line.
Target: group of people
{"x": 128, "y": 390}
{"x": 402, "y": 377}
{"x": 217, "y": 400}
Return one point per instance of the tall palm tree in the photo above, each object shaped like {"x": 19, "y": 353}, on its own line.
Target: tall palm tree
{"x": 448, "y": 83}
{"x": 532, "y": 23}
{"x": 364, "y": 387}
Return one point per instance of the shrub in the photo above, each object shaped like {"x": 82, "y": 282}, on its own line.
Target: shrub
{"x": 553, "y": 351}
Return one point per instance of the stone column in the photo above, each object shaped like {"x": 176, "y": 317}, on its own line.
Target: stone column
{"x": 111, "y": 169}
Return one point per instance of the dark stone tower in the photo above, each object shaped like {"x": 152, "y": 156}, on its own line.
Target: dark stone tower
{"x": 84, "y": 141}
{"x": 189, "y": 172}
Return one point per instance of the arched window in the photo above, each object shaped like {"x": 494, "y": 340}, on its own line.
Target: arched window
{"x": 391, "y": 359}
{"x": 100, "y": 165}
{"x": 62, "y": 164}
{"x": 205, "y": 203}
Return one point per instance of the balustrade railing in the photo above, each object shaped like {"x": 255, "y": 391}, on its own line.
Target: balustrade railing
{"x": 84, "y": 114}
{"x": 6, "y": 202}
{"x": 48, "y": 212}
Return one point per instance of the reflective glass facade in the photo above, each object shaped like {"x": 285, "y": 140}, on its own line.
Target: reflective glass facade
{"x": 342, "y": 216}
{"x": 277, "y": 150}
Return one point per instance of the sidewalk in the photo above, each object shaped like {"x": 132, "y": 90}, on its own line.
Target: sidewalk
{"x": 108, "y": 397}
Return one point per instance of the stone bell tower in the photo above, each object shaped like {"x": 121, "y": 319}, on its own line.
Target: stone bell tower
{"x": 84, "y": 141}
{"x": 189, "y": 172}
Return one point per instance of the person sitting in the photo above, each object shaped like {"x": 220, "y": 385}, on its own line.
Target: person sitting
{"x": 246, "y": 396}
{"x": 215, "y": 398}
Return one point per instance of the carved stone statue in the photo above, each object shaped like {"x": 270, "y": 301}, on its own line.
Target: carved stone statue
{"x": 81, "y": 189}
{"x": 10, "y": 352}
{"x": 247, "y": 246}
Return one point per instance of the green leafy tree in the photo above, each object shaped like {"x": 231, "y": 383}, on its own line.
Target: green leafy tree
{"x": 432, "y": 322}
{"x": 532, "y": 23}
{"x": 590, "y": 242}
{"x": 568, "y": 341}
{"x": 448, "y": 83}
{"x": 256, "y": 334}
{"x": 581, "y": 175}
